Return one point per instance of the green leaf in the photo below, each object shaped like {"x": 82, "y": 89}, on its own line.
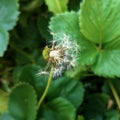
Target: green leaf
{"x": 113, "y": 115}
{"x": 29, "y": 74}
{"x": 104, "y": 61}
{"x": 3, "y": 101}
{"x": 88, "y": 53}
{"x": 42, "y": 24}
{"x": 16, "y": 73}
{"x": 99, "y": 20}
{"x": 3, "y": 41}
{"x": 8, "y": 13}
{"x": 29, "y": 38}
{"x": 107, "y": 63}
{"x": 22, "y": 102}
{"x": 97, "y": 28}
{"x": 57, "y": 6}
{"x": 59, "y": 109}
{"x": 66, "y": 23}
{"x": 6, "y": 116}
{"x": 68, "y": 88}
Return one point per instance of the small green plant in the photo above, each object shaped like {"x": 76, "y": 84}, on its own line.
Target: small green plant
{"x": 59, "y": 60}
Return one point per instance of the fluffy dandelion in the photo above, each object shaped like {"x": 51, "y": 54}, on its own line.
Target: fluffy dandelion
{"x": 62, "y": 55}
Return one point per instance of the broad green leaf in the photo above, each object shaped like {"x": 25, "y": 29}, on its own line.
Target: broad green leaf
{"x": 3, "y": 101}
{"x": 3, "y": 41}
{"x": 88, "y": 53}
{"x": 59, "y": 109}
{"x": 22, "y": 102}
{"x": 57, "y": 6}
{"x": 113, "y": 115}
{"x": 8, "y": 13}
{"x": 6, "y": 116}
{"x": 67, "y": 88}
{"x": 108, "y": 63}
{"x": 66, "y": 23}
{"x": 104, "y": 61}
{"x": 99, "y": 20}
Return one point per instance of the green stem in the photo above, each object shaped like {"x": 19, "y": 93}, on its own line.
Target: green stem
{"x": 114, "y": 93}
{"x": 7, "y": 70}
{"x": 47, "y": 87}
{"x": 3, "y": 92}
{"x": 33, "y": 5}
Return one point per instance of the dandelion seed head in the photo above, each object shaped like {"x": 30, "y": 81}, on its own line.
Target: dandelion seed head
{"x": 62, "y": 54}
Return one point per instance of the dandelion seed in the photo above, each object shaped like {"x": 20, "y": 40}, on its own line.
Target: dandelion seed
{"x": 63, "y": 55}
{"x": 43, "y": 73}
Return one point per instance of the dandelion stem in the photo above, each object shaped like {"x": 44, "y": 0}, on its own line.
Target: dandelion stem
{"x": 47, "y": 87}
{"x": 117, "y": 99}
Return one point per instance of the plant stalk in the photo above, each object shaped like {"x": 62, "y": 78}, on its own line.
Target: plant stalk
{"x": 115, "y": 94}
{"x": 47, "y": 87}
{"x": 33, "y": 5}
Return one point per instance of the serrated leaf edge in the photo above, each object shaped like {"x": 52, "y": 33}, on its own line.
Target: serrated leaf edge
{"x": 24, "y": 83}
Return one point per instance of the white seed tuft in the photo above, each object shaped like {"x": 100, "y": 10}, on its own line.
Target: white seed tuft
{"x": 63, "y": 54}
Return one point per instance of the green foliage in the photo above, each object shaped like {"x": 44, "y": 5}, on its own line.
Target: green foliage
{"x": 113, "y": 115}
{"x": 3, "y": 101}
{"x": 88, "y": 91}
{"x": 8, "y": 17}
{"x": 67, "y": 88}
{"x": 22, "y": 102}
{"x": 57, "y": 6}
{"x": 59, "y": 108}
{"x": 43, "y": 26}
{"x": 95, "y": 20}
{"x": 8, "y": 13}
{"x": 3, "y": 40}
{"x": 66, "y": 23}
{"x": 6, "y": 116}
{"x": 96, "y": 17}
